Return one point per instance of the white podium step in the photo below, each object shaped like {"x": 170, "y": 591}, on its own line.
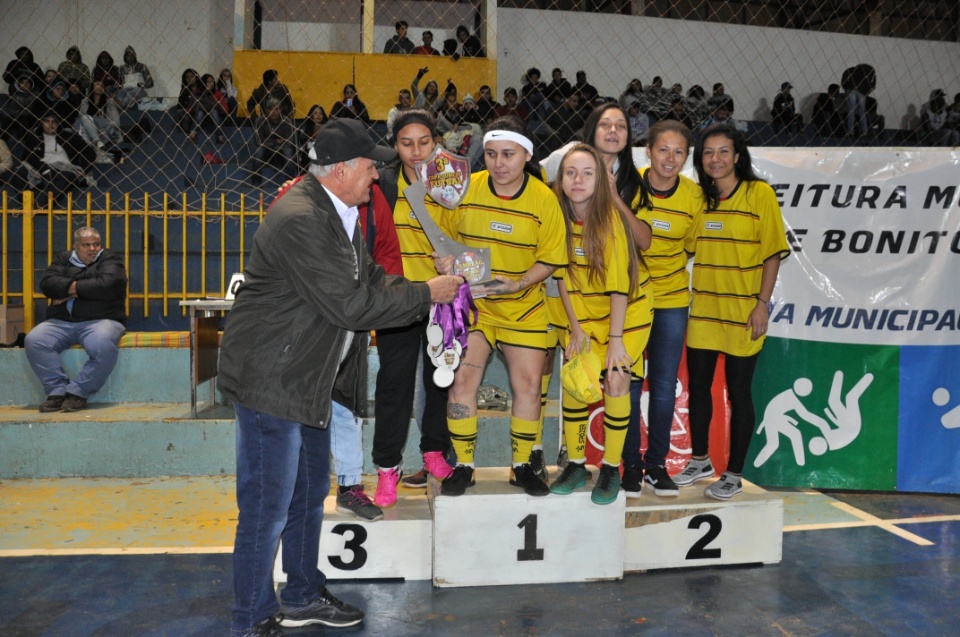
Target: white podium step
{"x": 398, "y": 546}
{"x": 496, "y": 534}
{"x": 693, "y": 530}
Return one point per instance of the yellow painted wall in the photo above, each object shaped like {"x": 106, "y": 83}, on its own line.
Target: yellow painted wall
{"x": 318, "y": 78}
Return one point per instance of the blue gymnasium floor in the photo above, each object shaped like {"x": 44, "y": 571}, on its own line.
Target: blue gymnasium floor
{"x": 888, "y": 567}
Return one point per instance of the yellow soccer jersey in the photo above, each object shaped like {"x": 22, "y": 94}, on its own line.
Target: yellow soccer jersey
{"x": 732, "y": 243}
{"x": 525, "y": 229}
{"x": 415, "y": 247}
{"x": 671, "y": 221}
{"x": 591, "y": 299}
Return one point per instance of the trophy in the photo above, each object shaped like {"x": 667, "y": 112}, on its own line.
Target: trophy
{"x": 446, "y": 177}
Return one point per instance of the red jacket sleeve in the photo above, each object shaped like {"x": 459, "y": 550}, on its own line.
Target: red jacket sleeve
{"x": 386, "y": 246}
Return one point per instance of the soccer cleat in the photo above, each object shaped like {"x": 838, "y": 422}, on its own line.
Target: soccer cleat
{"x": 632, "y": 482}
{"x": 660, "y": 481}
{"x": 387, "y": 479}
{"x": 725, "y": 488}
{"x": 416, "y": 481}
{"x": 538, "y": 464}
{"x": 354, "y": 500}
{"x": 608, "y": 485}
{"x": 459, "y": 480}
{"x": 574, "y": 476}
{"x": 695, "y": 471}
{"x": 325, "y": 610}
{"x": 525, "y": 477}
{"x": 436, "y": 465}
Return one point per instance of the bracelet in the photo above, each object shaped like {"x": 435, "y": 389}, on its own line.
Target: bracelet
{"x": 616, "y": 335}
{"x": 764, "y": 301}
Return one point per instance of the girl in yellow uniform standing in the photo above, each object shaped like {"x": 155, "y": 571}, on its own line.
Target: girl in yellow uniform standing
{"x": 605, "y": 292}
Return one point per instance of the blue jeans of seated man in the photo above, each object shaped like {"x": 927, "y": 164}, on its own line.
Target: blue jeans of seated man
{"x": 99, "y": 339}
{"x": 346, "y": 445}
{"x": 664, "y": 350}
{"x": 282, "y": 479}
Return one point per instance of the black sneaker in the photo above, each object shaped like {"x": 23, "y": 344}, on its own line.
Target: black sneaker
{"x": 459, "y": 480}
{"x": 416, "y": 481}
{"x": 632, "y": 482}
{"x": 52, "y": 403}
{"x": 74, "y": 403}
{"x": 354, "y": 500}
{"x": 326, "y": 610}
{"x": 525, "y": 477}
{"x": 539, "y": 466}
{"x": 658, "y": 478}
{"x": 268, "y": 627}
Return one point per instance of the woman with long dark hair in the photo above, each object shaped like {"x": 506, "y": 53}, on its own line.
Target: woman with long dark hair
{"x": 739, "y": 243}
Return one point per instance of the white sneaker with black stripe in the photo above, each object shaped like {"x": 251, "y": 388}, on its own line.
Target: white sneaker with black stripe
{"x": 695, "y": 471}
{"x": 725, "y": 488}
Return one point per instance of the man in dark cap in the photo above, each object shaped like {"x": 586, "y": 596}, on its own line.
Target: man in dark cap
{"x": 271, "y": 87}
{"x": 298, "y": 328}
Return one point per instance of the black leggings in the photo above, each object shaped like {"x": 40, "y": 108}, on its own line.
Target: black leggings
{"x": 701, "y": 365}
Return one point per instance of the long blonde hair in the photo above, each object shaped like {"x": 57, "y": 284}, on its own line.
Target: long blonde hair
{"x": 598, "y": 223}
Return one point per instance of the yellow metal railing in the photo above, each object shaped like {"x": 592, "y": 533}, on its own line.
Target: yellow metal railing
{"x": 59, "y": 225}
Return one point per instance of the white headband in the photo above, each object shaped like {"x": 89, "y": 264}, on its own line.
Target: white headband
{"x": 508, "y": 136}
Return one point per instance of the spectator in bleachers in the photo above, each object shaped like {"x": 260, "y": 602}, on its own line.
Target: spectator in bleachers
{"x": 316, "y": 118}
{"x": 722, "y": 112}
{"x": 558, "y": 89}
{"x": 639, "y": 121}
{"x": 677, "y": 111}
{"x": 135, "y": 78}
{"x": 826, "y": 119}
{"x": 11, "y": 179}
{"x": 73, "y": 69}
{"x": 271, "y": 87}
{"x": 486, "y": 105}
{"x": 20, "y": 113}
{"x": 566, "y": 120}
{"x": 427, "y": 47}
{"x": 534, "y": 92}
{"x": 448, "y": 111}
{"x": 784, "y": 111}
{"x": 189, "y": 100}
{"x": 58, "y": 159}
{"x": 512, "y": 106}
{"x": 54, "y": 99}
{"x": 587, "y": 91}
{"x": 428, "y": 99}
{"x": 696, "y": 107}
{"x": 462, "y": 136}
{"x": 107, "y": 72}
{"x": 22, "y": 66}
{"x": 101, "y": 113}
{"x": 634, "y": 89}
{"x": 399, "y": 43}
{"x": 49, "y": 77}
{"x": 274, "y": 143}
{"x": 351, "y": 106}
{"x": 657, "y": 100}
{"x": 934, "y": 130}
{"x": 87, "y": 287}
{"x": 226, "y": 86}
{"x": 211, "y": 109}
{"x": 404, "y": 102}
{"x": 858, "y": 81}
{"x": 720, "y": 97}
{"x": 470, "y": 45}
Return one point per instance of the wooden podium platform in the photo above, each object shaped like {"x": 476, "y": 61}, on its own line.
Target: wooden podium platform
{"x": 496, "y": 534}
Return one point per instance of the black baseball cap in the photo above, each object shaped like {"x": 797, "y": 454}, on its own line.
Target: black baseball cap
{"x": 343, "y": 139}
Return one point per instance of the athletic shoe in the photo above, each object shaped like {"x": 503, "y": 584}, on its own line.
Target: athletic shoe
{"x": 632, "y": 482}
{"x": 658, "y": 478}
{"x": 416, "y": 481}
{"x": 52, "y": 403}
{"x": 269, "y": 627}
{"x": 725, "y": 488}
{"x": 326, "y": 610}
{"x": 573, "y": 476}
{"x": 459, "y": 480}
{"x": 74, "y": 403}
{"x": 525, "y": 477}
{"x": 608, "y": 485}
{"x": 387, "y": 479}
{"x": 538, "y": 465}
{"x": 354, "y": 500}
{"x": 436, "y": 465}
{"x": 695, "y": 471}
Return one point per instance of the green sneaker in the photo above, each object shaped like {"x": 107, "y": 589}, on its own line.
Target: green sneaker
{"x": 608, "y": 485}
{"x": 574, "y": 476}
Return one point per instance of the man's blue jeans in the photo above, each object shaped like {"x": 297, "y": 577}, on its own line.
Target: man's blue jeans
{"x": 664, "y": 350}
{"x": 346, "y": 439}
{"x": 99, "y": 339}
{"x": 282, "y": 479}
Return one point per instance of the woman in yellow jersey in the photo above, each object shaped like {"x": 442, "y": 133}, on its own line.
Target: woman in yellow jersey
{"x": 605, "y": 292}
{"x": 510, "y": 211}
{"x": 401, "y": 348}
{"x": 739, "y": 243}
{"x": 676, "y": 202}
